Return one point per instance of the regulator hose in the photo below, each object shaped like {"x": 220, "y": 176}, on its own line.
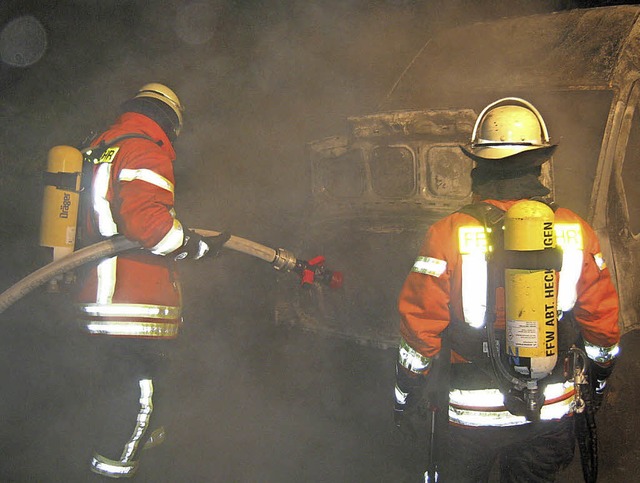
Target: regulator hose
{"x": 281, "y": 260}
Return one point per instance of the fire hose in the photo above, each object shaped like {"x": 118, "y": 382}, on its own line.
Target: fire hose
{"x": 310, "y": 271}
{"x": 586, "y": 430}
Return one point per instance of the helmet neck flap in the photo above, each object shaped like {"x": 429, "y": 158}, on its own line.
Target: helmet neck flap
{"x": 155, "y": 110}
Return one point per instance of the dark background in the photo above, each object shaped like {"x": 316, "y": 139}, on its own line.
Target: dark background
{"x": 253, "y": 402}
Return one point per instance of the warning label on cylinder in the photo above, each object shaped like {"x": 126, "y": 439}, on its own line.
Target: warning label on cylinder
{"x": 70, "y": 238}
{"x": 522, "y": 333}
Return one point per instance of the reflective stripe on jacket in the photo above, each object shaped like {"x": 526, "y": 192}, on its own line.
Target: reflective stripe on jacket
{"x": 448, "y": 284}
{"x": 485, "y": 407}
{"x": 134, "y": 294}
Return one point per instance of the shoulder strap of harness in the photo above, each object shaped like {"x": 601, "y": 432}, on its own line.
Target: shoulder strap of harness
{"x": 101, "y": 154}
{"x": 486, "y": 213}
{"x": 470, "y": 343}
{"x": 490, "y": 215}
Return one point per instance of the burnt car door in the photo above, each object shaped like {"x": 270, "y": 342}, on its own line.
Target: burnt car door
{"x": 622, "y": 209}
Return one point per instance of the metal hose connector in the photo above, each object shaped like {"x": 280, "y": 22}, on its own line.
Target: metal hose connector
{"x": 285, "y": 260}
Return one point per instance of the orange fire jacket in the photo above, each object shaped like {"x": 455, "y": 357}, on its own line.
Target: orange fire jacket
{"x": 432, "y": 297}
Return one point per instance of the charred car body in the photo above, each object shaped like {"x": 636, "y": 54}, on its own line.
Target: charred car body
{"x": 377, "y": 189}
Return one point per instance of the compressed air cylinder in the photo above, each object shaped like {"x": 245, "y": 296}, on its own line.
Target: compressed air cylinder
{"x": 530, "y": 293}
{"x": 61, "y": 199}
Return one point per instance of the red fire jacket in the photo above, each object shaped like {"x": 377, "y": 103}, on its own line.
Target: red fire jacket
{"x": 134, "y": 294}
{"x": 447, "y": 285}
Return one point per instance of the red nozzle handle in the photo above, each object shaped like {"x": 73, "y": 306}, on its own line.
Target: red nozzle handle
{"x": 313, "y": 271}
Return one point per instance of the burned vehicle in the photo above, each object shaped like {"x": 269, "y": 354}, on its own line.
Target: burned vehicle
{"x": 377, "y": 189}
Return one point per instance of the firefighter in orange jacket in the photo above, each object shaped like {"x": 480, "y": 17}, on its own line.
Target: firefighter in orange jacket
{"x": 131, "y": 303}
{"x": 445, "y": 295}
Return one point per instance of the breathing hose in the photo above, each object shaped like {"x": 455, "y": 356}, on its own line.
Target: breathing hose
{"x": 280, "y": 259}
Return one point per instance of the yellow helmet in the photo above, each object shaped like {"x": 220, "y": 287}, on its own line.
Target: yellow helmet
{"x": 506, "y": 127}
{"x": 167, "y": 96}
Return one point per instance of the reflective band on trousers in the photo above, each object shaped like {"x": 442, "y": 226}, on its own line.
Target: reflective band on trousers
{"x": 128, "y": 463}
{"x": 111, "y": 468}
{"x": 485, "y": 407}
{"x": 142, "y": 423}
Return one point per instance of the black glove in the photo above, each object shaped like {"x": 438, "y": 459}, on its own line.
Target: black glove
{"x": 598, "y": 375}
{"x": 408, "y": 392}
{"x": 195, "y": 246}
{"x": 216, "y": 242}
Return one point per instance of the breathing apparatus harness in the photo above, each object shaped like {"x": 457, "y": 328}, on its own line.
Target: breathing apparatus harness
{"x": 521, "y": 257}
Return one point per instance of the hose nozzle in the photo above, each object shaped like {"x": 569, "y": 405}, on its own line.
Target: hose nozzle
{"x": 310, "y": 272}
{"x": 314, "y": 271}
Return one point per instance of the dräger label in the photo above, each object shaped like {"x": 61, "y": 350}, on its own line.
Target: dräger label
{"x": 64, "y": 207}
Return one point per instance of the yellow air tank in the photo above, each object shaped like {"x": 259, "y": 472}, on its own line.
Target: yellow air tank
{"x": 530, "y": 289}
{"x": 61, "y": 200}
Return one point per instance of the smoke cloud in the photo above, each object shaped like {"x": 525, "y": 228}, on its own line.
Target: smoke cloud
{"x": 259, "y": 79}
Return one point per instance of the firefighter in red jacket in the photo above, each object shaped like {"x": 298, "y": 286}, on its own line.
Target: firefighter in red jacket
{"x": 449, "y": 295}
{"x": 131, "y": 303}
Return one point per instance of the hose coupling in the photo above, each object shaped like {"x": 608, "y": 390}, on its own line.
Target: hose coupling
{"x": 284, "y": 260}
{"x": 579, "y": 366}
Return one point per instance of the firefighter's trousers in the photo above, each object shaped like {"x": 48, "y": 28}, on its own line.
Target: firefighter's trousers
{"x": 531, "y": 453}
{"x": 128, "y": 396}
